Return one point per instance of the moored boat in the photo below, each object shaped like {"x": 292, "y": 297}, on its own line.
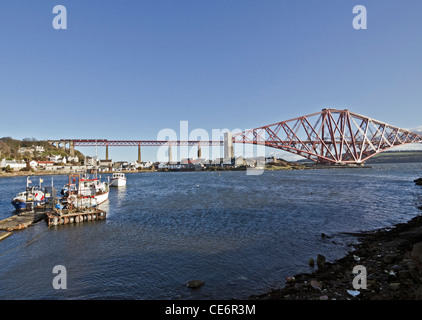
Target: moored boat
{"x": 118, "y": 179}
{"x": 85, "y": 192}
{"x": 32, "y": 197}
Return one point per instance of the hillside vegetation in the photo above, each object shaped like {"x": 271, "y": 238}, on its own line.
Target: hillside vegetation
{"x": 9, "y": 149}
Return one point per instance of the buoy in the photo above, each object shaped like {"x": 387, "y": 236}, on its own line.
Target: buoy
{"x": 71, "y": 220}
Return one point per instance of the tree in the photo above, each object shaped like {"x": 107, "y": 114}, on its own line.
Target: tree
{"x": 4, "y": 149}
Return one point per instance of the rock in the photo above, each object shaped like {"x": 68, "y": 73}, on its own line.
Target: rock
{"x": 419, "y": 181}
{"x": 323, "y": 298}
{"x": 324, "y": 236}
{"x": 396, "y": 267}
{"x": 320, "y": 261}
{"x": 394, "y": 286}
{"x": 195, "y": 284}
{"x": 404, "y": 274}
{"x": 316, "y": 285}
{"x": 353, "y": 293}
{"x": 389, "y": 258}
{"x": 311, "y": 262}
{"x": 290, "y": 279}
{"x": 416, "y": 254}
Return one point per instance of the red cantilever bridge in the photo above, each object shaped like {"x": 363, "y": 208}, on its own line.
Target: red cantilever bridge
{"x": 329, "y": 136}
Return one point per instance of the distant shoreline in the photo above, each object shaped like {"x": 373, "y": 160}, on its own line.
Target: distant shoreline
{"x": 267, "y": 168}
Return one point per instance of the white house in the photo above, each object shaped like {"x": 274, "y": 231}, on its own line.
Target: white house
{"x": 33, "y": 164}
{"x": 72, "y": 158}
{"x": 13, "y": 164}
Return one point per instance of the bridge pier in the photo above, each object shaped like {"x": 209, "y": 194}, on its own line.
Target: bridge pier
{"x": 228, "y": 147}
{"x": 139, "y": 153}
{"x": 199, "y": 151}
{"x": 72, "y": 148}
{"x": 170, "y": 155}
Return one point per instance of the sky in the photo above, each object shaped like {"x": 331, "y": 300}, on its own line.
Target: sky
{"x": 128, "y": 69}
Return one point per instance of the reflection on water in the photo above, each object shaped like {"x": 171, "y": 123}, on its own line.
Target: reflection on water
{"x": 240, "y": 234}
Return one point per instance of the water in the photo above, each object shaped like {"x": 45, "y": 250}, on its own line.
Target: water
{"x": 240, "y": 234}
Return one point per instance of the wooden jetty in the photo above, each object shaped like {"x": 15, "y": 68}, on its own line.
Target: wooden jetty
{"x": 22, "y": 220}
{"x": 25, "y": 219}
{"x": 66, "y": 217}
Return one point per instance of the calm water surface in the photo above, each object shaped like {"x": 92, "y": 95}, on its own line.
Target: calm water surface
{"x": 240, "y": 234}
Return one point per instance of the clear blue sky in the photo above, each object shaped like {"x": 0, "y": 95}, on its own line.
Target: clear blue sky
{"x": 127, "y": 69}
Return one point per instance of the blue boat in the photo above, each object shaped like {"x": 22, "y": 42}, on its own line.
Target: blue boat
{"x": 33, "y": 197}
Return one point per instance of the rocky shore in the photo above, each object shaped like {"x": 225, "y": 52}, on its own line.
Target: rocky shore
{"x": 392, "y": 258}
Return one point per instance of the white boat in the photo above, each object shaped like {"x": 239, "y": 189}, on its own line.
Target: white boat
{"x": 118, "y": 179}
{"x": 85, "y": 192}
{"x": 94, "y": 188}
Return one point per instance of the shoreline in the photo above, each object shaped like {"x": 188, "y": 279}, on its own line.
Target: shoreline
{"x": 392, "y": 258}
{"x": 267, "y": 168}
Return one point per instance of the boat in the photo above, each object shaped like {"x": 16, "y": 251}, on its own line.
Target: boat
{"x": 94, "y": 188}
{"x": 32, "y": 197}
{"x": 118, "y": 179}
{"x": 85, "y": 192}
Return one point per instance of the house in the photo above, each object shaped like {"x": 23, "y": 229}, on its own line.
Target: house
{"x": 31, "y": 150}
{"x": 72, "y": 159}
{"x": 33, "y": 164}
{"x": 120, "y": 165}
{"x": 15, "y": 165}
{"x": 239, "y": 161}
{"x": 57, "y": 159}
{"x": 26, "y": 151}
{"x": 250, "y": 162}
{"x": 44, "y": 164}
{"x": 145, "y": 165}
{"x": 90, "y": 161}
{"x": 38, "y": 149}
{"x": 106, "y": 164}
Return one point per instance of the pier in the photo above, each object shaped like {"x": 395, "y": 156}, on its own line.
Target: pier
{"x": 91, "y": 214}
{"x": 22, "y": 220}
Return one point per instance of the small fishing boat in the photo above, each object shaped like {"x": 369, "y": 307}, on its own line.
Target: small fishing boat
{"x": 32, "y": 197}
{"x": 85, "y": 192}
{"x": 118, "y": 179}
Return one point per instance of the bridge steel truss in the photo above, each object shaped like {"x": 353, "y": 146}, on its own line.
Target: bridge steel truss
{"x": 149, "y": 143}
{"x": 330, "y": 136}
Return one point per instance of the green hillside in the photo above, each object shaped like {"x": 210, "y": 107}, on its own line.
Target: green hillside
{"x": 9, "y": 149}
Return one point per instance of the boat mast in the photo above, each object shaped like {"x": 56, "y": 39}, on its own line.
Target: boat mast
{"x": 96, "y": 157}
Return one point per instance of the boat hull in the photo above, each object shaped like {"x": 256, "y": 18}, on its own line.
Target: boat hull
{"x": 118, "y": 182}
{"x": 101, "y": 198}
{"x": 19, "y": 205}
